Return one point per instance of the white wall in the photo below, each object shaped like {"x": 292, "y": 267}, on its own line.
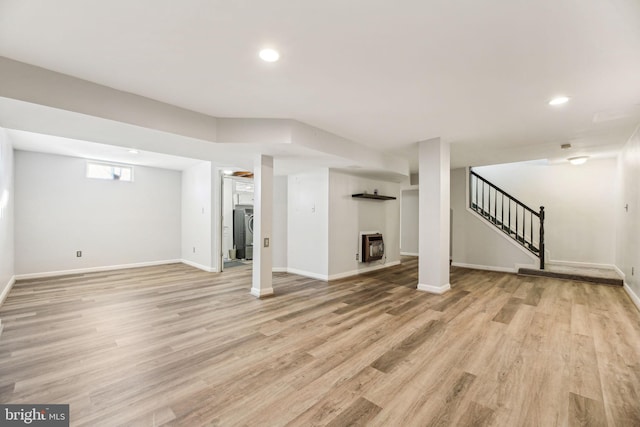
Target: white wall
{"x": 628, "y": 222}
{"x": 308, "y": 223}
{"x": 59, "y": 211}
{"x": 227, "y": 216}
{"x": 216, "y": 219}
{"x": 579, "y": 203}
{"x": 45, "y": 87}
{"x": 475, "y": 243}
{"x": 348, "y": 217}
{"x": 279, "y": 230}
{"x": 6, "y": 214}
{"x": 197, "y": 225}
{"x": 409, "y": 222}
{"x": 324, "y": 223}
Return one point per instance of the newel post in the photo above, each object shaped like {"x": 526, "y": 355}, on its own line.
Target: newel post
{"x": 541, "y": 237}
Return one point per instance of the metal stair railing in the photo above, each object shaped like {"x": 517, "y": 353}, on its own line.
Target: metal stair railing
{"x": 508, "y": 214}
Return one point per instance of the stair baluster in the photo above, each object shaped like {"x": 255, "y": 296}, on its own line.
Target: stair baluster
{"x": 477, "y": 199}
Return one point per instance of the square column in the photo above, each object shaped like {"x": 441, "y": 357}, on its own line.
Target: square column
{"x": 433, "y": 230}
{"x": 262, "y": 223}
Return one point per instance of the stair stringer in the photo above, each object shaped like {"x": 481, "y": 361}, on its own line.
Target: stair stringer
{"x": 501, "y": 255}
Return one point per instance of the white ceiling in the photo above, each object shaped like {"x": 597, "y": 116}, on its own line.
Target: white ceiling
{"x": 33, "y": 127}
{"x": 31, "y": 141}
{"x": 385, "y": 74}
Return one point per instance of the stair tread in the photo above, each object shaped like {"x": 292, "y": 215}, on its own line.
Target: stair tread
{"x": 571, "y": 276}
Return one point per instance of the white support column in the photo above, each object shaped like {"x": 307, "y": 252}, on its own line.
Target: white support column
{"x": 262, "y": 223}
{"x": 433, "y": 264}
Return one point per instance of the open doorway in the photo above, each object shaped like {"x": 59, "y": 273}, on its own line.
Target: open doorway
{"x": 237, "y": 221}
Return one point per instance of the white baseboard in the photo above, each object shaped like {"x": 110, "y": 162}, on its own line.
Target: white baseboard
{"x": 409, "y": 254}
{"x": 199, "y": 266}
{"x": 7, "y": 289}
{"x": 634, "y": 297}
{"x": 322, "y": 277}
{"x": 279, "y": 270}
{"x": 4, "y": 295}
{"x": 620, "y": 272}
{"x": 262, "y": 293}
{"x": 434, "y": 289}
{"x": 517, "y": 267}
{"x": 93, "y": 269}
{"x": 485, "y": 267}
{"x": 362, "y": 270}
{"x": 326, "y": 278}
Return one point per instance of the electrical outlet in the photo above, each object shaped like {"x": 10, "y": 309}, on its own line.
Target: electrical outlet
{"x": 78, "y": 254}
{"x": 357, "y": 257}
{"x": 266, "y": 242}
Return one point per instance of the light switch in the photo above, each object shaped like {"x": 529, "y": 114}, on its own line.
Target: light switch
{"x": 266, "y": 242}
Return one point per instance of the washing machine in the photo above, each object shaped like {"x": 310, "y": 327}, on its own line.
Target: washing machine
{"x": 248, "y": 241}
{"x": 243, "y": 231}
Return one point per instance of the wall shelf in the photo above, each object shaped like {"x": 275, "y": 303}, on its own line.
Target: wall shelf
{"x": 372, "y": 196}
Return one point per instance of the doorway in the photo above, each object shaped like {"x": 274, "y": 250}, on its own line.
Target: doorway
{"x": 237, "y": 221}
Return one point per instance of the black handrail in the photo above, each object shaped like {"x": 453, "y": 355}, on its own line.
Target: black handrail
{"x": 505, "y": 226}
{"x": 503, "y": 192}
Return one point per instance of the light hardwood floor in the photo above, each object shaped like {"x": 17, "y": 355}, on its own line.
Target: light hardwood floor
{"x": 172, "y": 345}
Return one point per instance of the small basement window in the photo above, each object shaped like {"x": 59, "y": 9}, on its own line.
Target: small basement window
{"x": 110, "y": 171}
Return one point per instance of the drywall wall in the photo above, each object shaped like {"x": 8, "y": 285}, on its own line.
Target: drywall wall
{"x": 324, "y": 223}
{"x": 216, "y": 218}
{"x": 308, "y": 223}
{"x": 40, "y": 86}
{"x": 348, "y": 217}
{"x": 628, "y": 220}
{"x": 35, "y": 85}
{"x": 197, "y": 227}
{"x": 6, "y": 214}
{"x": 409, "y": 222}
{"x": 396, "y": 168}
{"x": 59, "y": 211}
{"x": 475, "y": 243}
{"x": 279, "y": 230}
{"x": 579, "y": 204}
{"x": 227, "y": 216}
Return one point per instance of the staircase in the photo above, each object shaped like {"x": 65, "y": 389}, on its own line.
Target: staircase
{"x": 509, "y": 215}
{"x": 526, "y": 227}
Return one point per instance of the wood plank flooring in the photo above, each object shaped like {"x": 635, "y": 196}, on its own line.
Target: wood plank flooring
{"x": 172, "y": 345}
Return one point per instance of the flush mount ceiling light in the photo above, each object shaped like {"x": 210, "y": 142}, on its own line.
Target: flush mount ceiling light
{"x": 578, "y": 160}
{"x": 134, "y": 151}
{"x": 269, "y": 55}
{"x": 559, "y": 100}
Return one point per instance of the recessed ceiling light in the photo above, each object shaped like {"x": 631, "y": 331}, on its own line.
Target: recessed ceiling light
{"x": 559, "y": 100}
{"x": 227, "y": 172}
{"x": 134, "y": 151}
{"x": 269, "y": 55}
{"x": 578, "y": 160}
